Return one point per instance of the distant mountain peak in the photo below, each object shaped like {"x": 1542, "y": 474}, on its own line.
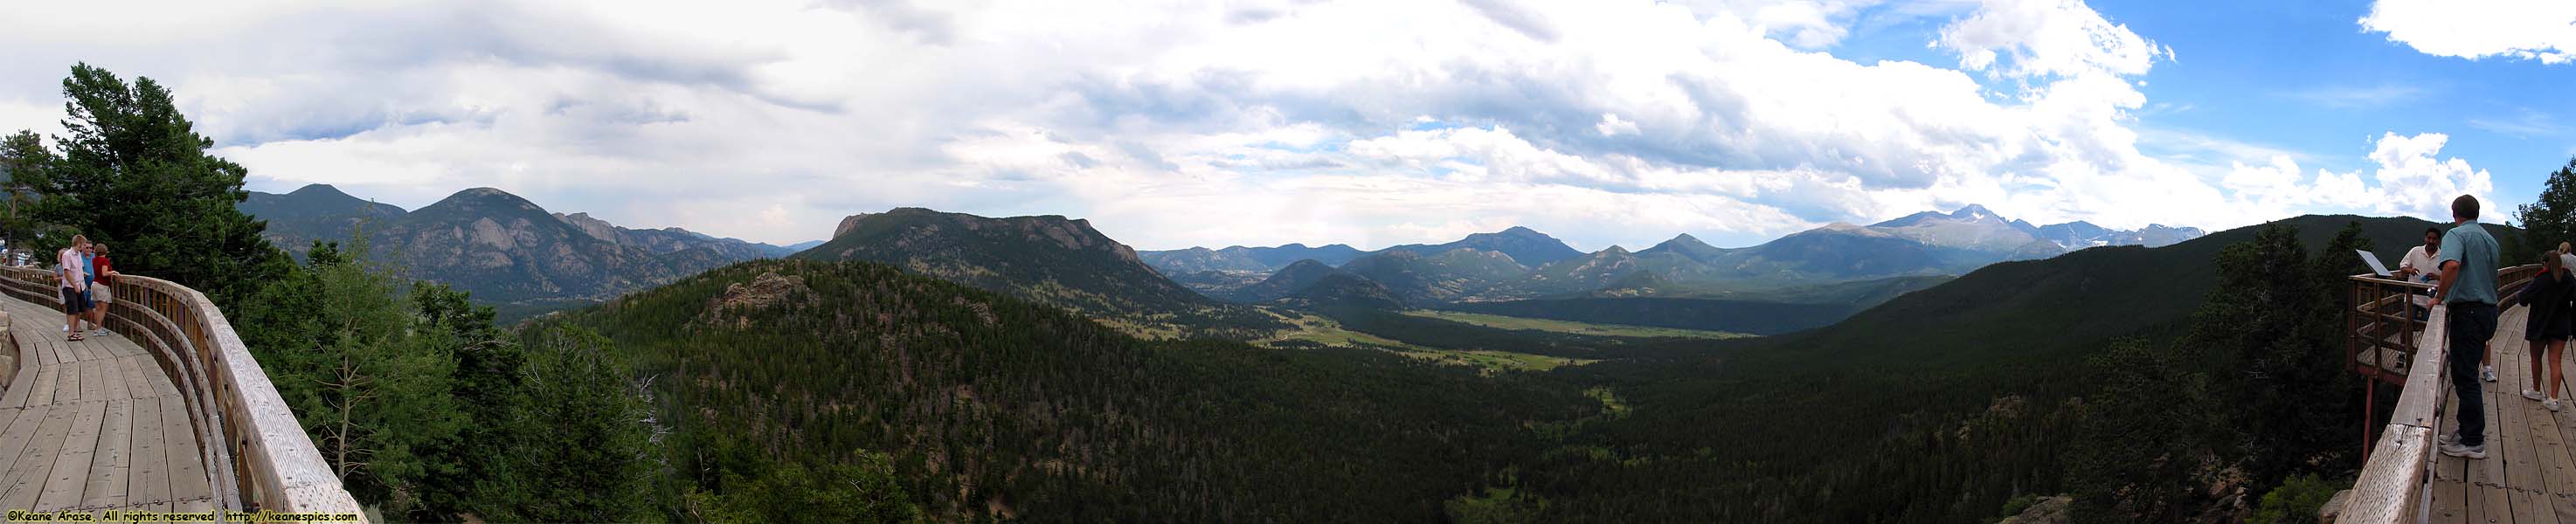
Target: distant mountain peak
{"x": 318, "y": 190}
{"x": 1521, "y": 231}
{"x": 1685, "y": 238}
{"x": 1974, "y": 212}
{"x": 482, "y": 192}
{"x": 1615, "y": 250}
{"x": 483, "y": 198}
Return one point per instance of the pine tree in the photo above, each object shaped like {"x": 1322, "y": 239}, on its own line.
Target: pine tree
{"x": 2550, "y": 218}
{"x": 23, "y": 159}
{"x": 134, "y": 172}
{"x": 588, "y": 454}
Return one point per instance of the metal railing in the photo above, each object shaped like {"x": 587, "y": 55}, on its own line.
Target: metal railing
{"x": 2396, "y": 470}
{"x": 266, "y": 461}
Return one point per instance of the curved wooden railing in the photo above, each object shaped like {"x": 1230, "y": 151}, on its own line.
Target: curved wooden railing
{"x": 2394, "y": 477}
{"x": 266, "y": 461}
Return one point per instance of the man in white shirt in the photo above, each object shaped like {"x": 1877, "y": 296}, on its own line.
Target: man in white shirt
{"x": 2418, "y": 263}
{"x": 2420, "y": 266}
{"x": 74, "y": 283}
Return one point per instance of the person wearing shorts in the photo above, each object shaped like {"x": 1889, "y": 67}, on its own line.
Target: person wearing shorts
{"x": 102, "y": 279}
{"x": 74, "y": 284}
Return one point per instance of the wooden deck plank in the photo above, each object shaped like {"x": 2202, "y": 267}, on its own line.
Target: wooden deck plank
{"x": 42, "y": 392}
{"x": 66, "y": 382}
{"x": 27, "y": 479}
{"x": 75, "y": 351}
{"x": 138, "y": 383}
{"x": 2486, "y": 477}
{"x": 14, "y": 435}
{"x": 2557, "y": 471}
{"x": 2559, "y": 428}
{"x": 37, "y": 345}
{"x": 70, "y": 475}
{"x": 2450, "y": 474}
{"x": 2513, "y": 447}
{"x": 108, "y": 467}
{"x": 56, "y": 349}
{"x": 2530, "y": 466}
{"x": 93, "y": 381}
{"x": 165, "y": 386}
{"x": 112, "y": 379}
{"x": 187, "y": 474}
{"x": 148, "y": 477}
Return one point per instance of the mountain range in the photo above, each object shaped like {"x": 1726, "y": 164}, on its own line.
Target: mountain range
{"x": 499, "y": 246}
{"x": 1520, "y": 263}
{"x": 508, "y": 250}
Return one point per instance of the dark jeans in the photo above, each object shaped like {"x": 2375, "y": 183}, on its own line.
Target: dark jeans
{"x": 2470, "y": 325}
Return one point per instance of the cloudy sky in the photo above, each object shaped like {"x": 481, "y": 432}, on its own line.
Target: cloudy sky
{"x": 1371, "y": 122}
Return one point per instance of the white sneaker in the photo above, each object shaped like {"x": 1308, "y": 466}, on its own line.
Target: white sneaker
{"x": 101, "y": 332}
{"x": 2529, "y": 394}
{"x": 2478, "y": 452}
{"x": 2448, "y": 439}
{"x": 2487, "y": 372}
{"x": 2552, "y": 404}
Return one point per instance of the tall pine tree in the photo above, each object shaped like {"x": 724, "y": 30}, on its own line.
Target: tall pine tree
{"x": 134, "y": 172}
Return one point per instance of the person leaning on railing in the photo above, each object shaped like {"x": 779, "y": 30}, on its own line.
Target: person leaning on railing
{"x": 2468, "y": 289}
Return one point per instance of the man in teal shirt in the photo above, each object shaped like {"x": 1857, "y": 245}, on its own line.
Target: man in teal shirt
{"x": 2468, "y": 261}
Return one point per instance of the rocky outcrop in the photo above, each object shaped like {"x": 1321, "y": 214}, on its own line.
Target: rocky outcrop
{"x": 8, "y": 354}
{"x": 599, "y": 229}
{"x": 2052, "y": 510}
{"x": 849, "y": 223}
{"x": 741, "y": 298}
{"x": 767, "y": 290}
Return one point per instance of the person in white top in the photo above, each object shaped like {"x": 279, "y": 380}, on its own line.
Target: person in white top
{"x": 74, "y": 283}
{"x": 2419, "y": 266}
{"x": 2419, "y": 261}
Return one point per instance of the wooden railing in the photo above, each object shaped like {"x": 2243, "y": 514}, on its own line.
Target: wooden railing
{"x": 2394, "y": 474}
{"x": 265, "y": 462}
{"x": 2387, "y": 317}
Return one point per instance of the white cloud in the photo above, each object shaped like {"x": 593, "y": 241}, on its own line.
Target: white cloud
{"x": 2409, "y": 179}
{"x": 2413, "y": 182}
{"x": 1181, "y": 123}
{"x": 2543, "y": 30}
{"x": 2048, "y": 37}
{"x": 1611, "y": 125}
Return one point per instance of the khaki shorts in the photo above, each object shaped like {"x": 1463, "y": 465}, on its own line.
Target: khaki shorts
{"x": 99, "y": 293}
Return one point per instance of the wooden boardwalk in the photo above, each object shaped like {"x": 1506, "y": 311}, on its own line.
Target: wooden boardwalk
{"x": 93, "y": 425}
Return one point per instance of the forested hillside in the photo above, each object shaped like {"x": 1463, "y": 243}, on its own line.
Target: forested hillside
{"x": 1047, "y": 259}
{"x": 987, "y": 406}
{"x": 1936, "y": 406}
